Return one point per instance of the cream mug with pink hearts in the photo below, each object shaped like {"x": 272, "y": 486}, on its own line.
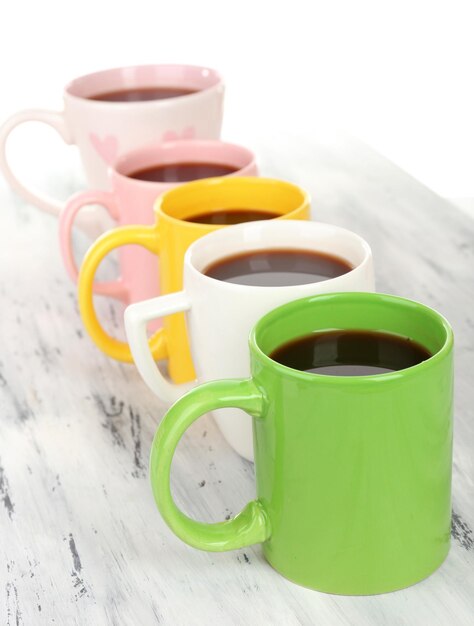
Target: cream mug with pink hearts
{"x": 114, "y": 111}
{"x": 136, "y": 180}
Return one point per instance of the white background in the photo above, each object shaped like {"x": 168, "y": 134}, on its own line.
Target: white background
{"x": 397, "y": 74}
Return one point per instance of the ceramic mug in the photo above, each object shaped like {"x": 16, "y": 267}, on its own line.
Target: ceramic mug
{"x": 220, "y": 315}
{"x": 131, "y": 201}
{"x": 353, "y": 473}
{"x": 169, "y": 238}
{"x": 103, "y": 130}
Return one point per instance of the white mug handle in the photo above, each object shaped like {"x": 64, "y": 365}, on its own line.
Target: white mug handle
{"x": 52, "y": 118}
{"x": 136, "y": 317}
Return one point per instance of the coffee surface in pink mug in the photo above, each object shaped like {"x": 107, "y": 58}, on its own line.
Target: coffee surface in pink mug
{"x": 131, "y": 201}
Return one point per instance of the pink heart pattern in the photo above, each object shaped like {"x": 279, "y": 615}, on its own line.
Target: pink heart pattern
{"x": 106, "y": 147}
{"x": 171, "y": 135}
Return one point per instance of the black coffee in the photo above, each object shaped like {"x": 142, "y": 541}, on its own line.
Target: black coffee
{"x": 278, "y": 268}
{"x": 227, "y": 217}
{"x": 350, "y": 353}
{"x": 141, "y": 94}
{"x": 182, "y": 172}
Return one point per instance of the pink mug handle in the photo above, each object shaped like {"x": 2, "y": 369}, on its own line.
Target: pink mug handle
{"x": 116, "y": 289}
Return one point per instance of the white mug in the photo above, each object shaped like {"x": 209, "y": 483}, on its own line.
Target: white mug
{"x": 104, "y": 130}
{"x": 220, "y": 315}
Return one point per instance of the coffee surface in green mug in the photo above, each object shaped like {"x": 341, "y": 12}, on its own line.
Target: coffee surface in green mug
{"x": 350, "y": 353}
{"x": 353, "y": 472}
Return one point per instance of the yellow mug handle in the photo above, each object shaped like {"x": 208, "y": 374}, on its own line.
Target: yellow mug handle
{"x": 145, "y": 236}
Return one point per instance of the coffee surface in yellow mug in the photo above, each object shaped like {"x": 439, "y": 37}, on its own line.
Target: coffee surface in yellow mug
{"x": 169, "y": 238}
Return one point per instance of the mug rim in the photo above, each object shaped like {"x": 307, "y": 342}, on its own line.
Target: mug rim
{"x": 270, "y": 224}
{"x": 387, "y": 377}
{"x": 160, "y": 213}
{"x": 218, "y": 82}
{"x": 159, "y": 148}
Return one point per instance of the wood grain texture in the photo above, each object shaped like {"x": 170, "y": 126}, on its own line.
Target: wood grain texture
{"x": 80, "y": 539}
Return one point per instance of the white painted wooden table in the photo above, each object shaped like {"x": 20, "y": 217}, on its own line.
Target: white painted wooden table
{"x": 80, "y": 539}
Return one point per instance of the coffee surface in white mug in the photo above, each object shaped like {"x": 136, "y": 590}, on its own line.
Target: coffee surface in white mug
{"x": 278, "y": 268}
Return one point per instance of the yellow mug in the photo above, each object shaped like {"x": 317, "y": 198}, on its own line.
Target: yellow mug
{"x": 216, "y": 201}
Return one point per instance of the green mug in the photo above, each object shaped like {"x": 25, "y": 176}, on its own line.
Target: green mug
{"x": 353, "y": 473}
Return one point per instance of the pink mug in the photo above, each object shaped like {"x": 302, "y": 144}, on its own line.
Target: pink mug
{"x": 103, "y": 129}
{"x": 131, "y": 201}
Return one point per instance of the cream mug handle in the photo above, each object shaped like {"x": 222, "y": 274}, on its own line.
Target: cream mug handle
{"x": 136, "y": 317}
{"x": 52, "y": 118}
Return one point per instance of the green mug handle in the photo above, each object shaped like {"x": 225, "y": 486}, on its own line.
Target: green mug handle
{"x": 251, "y": 525}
